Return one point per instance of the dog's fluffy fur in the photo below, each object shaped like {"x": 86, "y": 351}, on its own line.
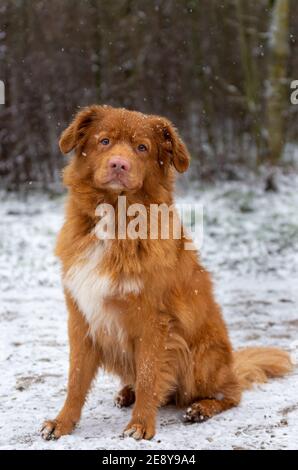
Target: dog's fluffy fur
{"x": 142, "y": 309}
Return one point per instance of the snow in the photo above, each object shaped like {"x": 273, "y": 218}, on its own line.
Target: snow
{"x": 250, "y": 244}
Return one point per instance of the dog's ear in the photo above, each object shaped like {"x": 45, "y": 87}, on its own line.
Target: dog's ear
{"x": 76, "y": 133}
{"x": 171, "y": 145}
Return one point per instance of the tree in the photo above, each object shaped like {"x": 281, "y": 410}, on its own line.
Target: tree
{"x": 277, "y": 101}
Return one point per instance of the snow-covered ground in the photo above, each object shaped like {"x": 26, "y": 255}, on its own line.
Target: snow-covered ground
{"x": 250, "y": 245}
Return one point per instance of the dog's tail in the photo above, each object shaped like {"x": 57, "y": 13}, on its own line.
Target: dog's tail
{"x": 256, "y": 365}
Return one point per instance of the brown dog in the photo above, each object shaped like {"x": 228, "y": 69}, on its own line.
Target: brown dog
{"x": 141, "y": 308}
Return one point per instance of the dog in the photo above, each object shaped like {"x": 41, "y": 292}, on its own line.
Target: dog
{"x": 141, "y": 308}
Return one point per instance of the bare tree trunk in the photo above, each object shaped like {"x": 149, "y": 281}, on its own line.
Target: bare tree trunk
{"x": 277, "y": 98}
{"x": 97, "y": 48}
{"x": 251, "y": 81}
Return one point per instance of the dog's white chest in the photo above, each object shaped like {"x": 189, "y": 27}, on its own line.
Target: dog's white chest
{"x": 89, "y": 289}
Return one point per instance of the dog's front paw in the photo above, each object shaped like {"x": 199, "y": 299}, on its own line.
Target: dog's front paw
{"x": 53, "y": 429}
{"x": 139, "y": 430}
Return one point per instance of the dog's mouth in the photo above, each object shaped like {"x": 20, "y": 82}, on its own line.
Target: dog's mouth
{"x": 119, "y": 183}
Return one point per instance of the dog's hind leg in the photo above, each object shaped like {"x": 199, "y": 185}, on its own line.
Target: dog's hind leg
{"x": 125, "y": 397}
{"x": 203, "y": 409}
{"x": 217, "y": 388}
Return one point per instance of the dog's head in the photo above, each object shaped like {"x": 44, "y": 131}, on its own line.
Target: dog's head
{"x": 122, "y": 151}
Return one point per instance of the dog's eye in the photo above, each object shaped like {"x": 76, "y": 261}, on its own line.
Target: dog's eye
{"x": 142, "y": 148}
{"x": 105, "y": 141}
